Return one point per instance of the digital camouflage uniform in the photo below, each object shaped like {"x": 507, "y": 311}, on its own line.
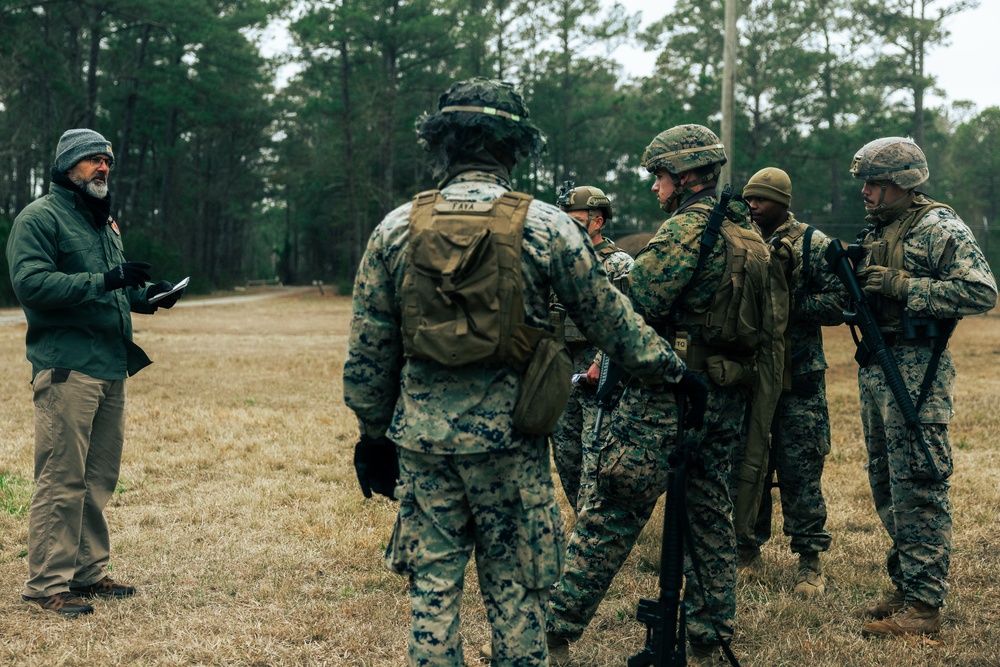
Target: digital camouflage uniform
{"x": 632, "y": 467}
{"x": 949, "y": 278}
{"x": 468, "y": 481}
{"x": 573, "y": 443}
{"x": 800, "y": 434}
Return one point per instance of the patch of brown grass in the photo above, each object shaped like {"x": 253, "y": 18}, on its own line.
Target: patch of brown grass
{"x": 239, "y": 517}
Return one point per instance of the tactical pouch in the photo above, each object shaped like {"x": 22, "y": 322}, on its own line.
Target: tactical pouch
{"x": 404, "y": 548}
{"x": 558, "y": 314}
{"x": 545, "y": 388}
{"x": 727, "y": 372}
{"x": 807, "y": 384}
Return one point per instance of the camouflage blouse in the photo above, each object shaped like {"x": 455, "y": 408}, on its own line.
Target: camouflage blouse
{"x": 427, "y": 407}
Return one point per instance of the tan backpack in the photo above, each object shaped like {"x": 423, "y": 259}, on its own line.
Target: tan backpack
{"x": 733, "y": 321}
{"x": 463, "y": 303}
{"x": 773, "y": 374}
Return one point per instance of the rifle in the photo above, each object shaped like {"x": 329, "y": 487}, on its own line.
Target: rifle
{"x": 666, "y": 617}
{"x": 841, "y": 261}
{"x": 611, "y": 375}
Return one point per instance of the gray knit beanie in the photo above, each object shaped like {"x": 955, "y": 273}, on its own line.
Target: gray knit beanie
{"x": 75, "y": 145}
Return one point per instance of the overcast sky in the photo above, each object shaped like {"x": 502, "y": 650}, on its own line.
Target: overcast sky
{"x": 963, "y": 69}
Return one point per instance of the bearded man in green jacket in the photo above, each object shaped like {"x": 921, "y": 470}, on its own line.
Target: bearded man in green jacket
{"x": 68, "y": 270}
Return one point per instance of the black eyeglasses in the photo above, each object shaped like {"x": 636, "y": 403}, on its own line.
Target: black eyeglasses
{"x": 98, "y": 160}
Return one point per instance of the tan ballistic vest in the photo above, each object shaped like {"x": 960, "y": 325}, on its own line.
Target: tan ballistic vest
{"x": 888, "y": 251}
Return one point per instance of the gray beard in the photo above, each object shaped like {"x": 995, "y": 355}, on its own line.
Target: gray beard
{"x": 98, "y": 190}
{"x": 92, "y": 188}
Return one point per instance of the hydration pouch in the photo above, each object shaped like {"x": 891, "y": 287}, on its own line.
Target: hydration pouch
{"x": 545, "y": 388}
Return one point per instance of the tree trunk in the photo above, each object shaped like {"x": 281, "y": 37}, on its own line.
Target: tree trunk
{"x": 357, "y": 226}
{"x": 127, "y": 181}
{"x": 93, "y": 59}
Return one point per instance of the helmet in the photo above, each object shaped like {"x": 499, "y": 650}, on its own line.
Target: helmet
{"x": 770, "y": 183}
{"x": 584, "y": 198}
{"x": 683, "y": 148}
{"x": 895, "y": 159}
{"x": 480, "y": 113}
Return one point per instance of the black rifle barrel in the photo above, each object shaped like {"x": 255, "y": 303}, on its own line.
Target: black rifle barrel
{"x": 840, "y": 261}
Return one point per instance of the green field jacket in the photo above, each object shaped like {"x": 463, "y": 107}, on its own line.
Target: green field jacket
{"x": 57, "y": 258}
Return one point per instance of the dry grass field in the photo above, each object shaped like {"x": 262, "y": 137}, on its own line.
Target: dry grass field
{"x": 239, "y": 518}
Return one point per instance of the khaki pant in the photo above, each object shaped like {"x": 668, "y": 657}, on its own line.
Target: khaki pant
{"x": 79, "y": 433}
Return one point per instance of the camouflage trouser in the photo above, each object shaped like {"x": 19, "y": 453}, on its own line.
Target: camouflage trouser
{"x": 574, "y": 447}
{"x": 913, "y": 507}
{"x": 632, "y": 474}
{"x": 800, "y": 441}
{"x": 501, "y": 504}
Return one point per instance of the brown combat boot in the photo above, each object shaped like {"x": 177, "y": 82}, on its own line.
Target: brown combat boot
{"x": 886, "y": 607}
{"x": 915, "y": 619}
{"x": 810, "y": 581}
{"x": 558, "y": 651}
{"x": 748, "y": 556}
{"x": 705, "y": 655}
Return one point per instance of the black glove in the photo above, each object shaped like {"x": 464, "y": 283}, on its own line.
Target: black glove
{"x": 161, "y": 287}
{"x": 833, "y": 253}
{"x": 127, "y": 274}
{"x": 694, "y": 392}
{"x": 377, "y": 464}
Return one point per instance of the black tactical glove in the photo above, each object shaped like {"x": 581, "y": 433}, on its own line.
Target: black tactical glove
{"x": 160, "y": 288}
{"x": 833, "y": 253}
{"x": 694, "y": 392}
{"x": 377, "y": 464}
{"x": 127, "y": 274}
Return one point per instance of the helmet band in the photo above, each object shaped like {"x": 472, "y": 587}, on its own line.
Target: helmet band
{"x": 683, "y": 151}
{"x": 888, "y": 170}
{"x": 489, "y": 111}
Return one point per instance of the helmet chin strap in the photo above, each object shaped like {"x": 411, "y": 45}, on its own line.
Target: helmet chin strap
{"x": 590, "y": 218}
{"x": 682, "y": 192}
{"x": 883, "y": 210}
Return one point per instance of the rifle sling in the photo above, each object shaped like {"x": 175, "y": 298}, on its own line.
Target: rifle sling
{"x": 939, "y": 346}
{"x": 806, "y": 274}
{"x": 708, "y": 238}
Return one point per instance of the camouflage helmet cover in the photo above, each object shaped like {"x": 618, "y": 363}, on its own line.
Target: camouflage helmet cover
{"x": 480, "y": 109}
{"x": 684, "y": 148}
{"x": 895, "y": 159}
{"x": 585, "y": 198}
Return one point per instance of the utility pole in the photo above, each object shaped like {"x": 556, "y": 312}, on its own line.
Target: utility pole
{"x": 728, "y": 81}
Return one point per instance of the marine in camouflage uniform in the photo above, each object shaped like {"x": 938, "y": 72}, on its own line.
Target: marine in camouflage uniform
{"x": 468, "y": 482}
{"x": 923, "y": 262}
{"x": 633, "y": 463}
{"x": 800, "y": 432}
{"x": 573, "y": 442}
